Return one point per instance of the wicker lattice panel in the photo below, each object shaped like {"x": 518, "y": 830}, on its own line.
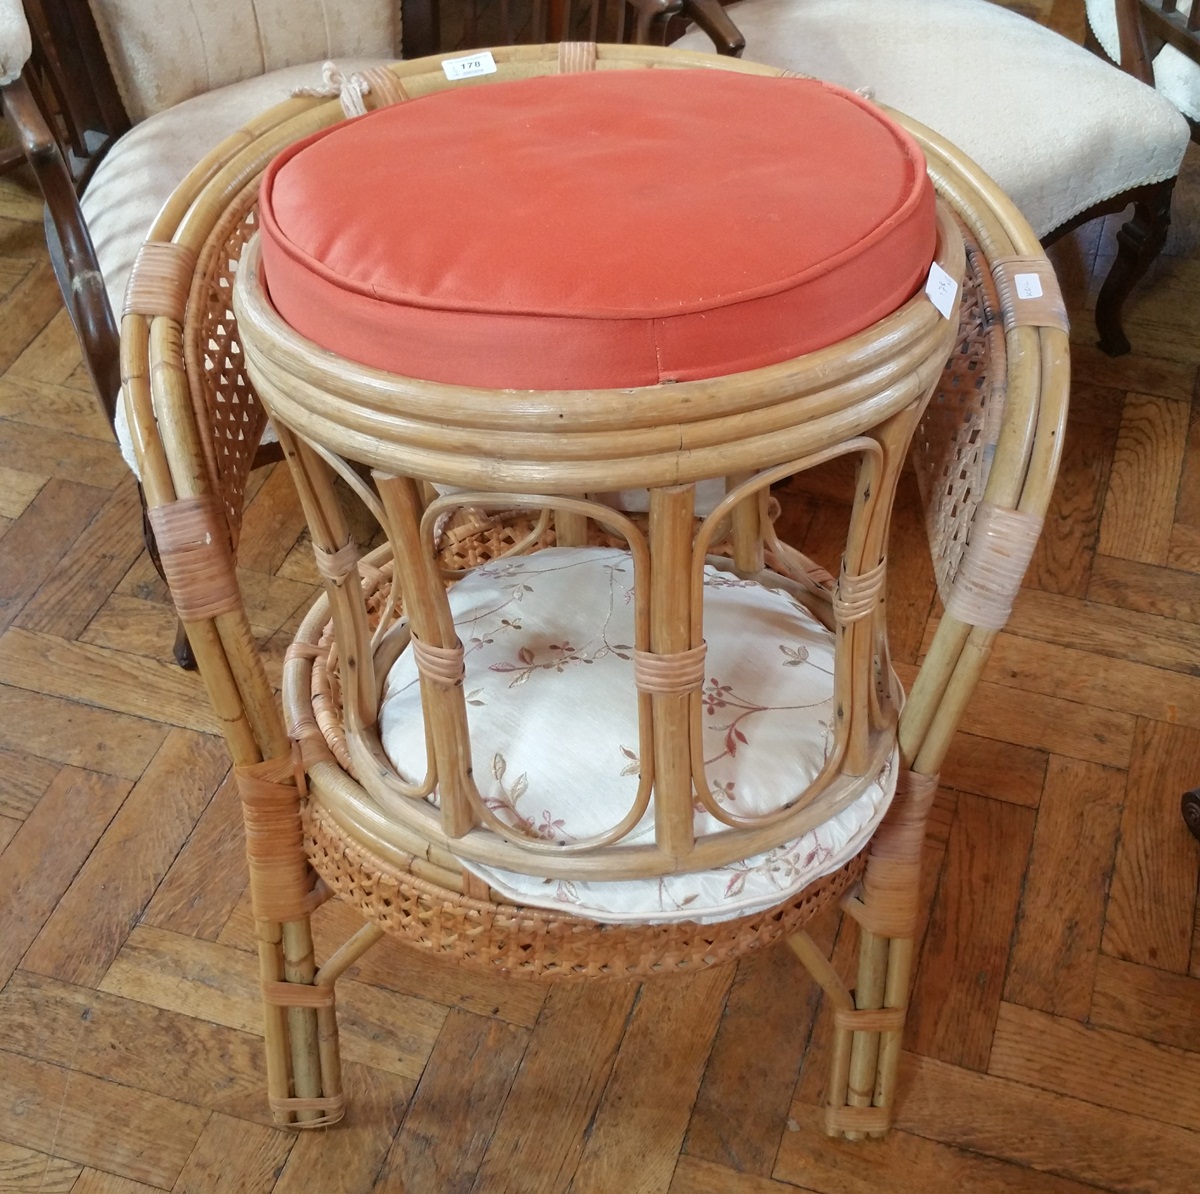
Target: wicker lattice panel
{"x": 953, "y": 448}
{"x": 229, "y": 416}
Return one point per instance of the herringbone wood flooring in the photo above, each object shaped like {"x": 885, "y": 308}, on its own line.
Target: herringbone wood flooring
{"x": 1054, "y": 1039}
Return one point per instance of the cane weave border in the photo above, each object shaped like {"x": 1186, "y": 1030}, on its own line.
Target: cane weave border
{"x": 544, "y": 943}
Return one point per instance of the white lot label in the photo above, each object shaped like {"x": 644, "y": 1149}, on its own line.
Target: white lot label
{"x": 1028, "y": 286}
{"x": 473, "y": 64}
{"x": 942, "y": 289}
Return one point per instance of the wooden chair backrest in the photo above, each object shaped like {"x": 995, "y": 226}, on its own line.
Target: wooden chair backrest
{"x": 1145, "y": 26}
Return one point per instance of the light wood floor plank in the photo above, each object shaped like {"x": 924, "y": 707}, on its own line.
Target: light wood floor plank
{"x": 69, "y": 597}
{"x": 111, "y": 1127}
{"x": 957, "y": 994}
{"x": 1152, "y": 904}
{"x": 77, "y": 735}
{"x": 1142, "y": 1001}
{"x": 17, "y": 489}
{"x": 236, "y": 1155}
{"x": 635, "y": 1135}
{"x": 134, "y": 1045}
{"x": 208, "y": 876}
{"x": 50, "y": 524}
{"x": 94, "y": 917}
{"x": 1098, "y": 1066}
{"x": 454, "y": 1111}
{"x": 754, "y": 1064}
{"x": 23, "y": 781}
{"x": 216, "y": 982}
{"x": 1140, "y": 505}
{"x": 42, "y": 859}
{"x": 1047, "y": 1132}
{"x": 129, "y": 684}
{"x": 541, "y": 1133}
{"x": 1053, "y": 962}
{"x": 903, "y": 1163}
{"x": 23, "y": 1171}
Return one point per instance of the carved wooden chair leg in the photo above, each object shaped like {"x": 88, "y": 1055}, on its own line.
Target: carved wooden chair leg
{"x": 1190, "y": 806}
{"x": 182, "y": 649}
{"x": 1139, "y": 241}
{"x": 869, "y": 1022}
{"x": 304, "y": 1082}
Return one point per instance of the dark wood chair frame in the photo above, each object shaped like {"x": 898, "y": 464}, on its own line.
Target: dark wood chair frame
{"x": 67, "y": 113}
{"x": 1144, "y": 27}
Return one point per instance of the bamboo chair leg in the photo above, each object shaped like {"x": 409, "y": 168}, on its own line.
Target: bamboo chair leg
{"x": 303, "y": 1062}
{"x": 868, "y": 1035}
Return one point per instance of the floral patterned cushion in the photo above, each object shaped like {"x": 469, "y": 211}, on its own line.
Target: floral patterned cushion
{"x": 553, "y": 719}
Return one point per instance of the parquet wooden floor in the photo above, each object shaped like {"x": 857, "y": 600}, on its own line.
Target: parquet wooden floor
{"x": 1054, "y": 1041}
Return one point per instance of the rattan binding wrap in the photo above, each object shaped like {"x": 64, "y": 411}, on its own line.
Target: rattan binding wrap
{"x": 538, "y": 942}
{"x": 953, "y": 449}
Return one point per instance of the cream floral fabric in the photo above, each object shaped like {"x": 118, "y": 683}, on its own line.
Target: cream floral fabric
{"x": 553, "y": 718}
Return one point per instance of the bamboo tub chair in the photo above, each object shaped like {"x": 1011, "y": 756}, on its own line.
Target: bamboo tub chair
{"x": 987, "y": 448}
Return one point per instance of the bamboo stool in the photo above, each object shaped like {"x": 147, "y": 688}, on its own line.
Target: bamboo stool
{"x": 314, "y": 780}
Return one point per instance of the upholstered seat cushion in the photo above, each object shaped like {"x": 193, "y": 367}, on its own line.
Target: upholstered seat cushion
{"x": 145, "y": 166}
{"x": 1176, "y": 76}
{"x": 598, "y": 229}
{"x": 1056, "y": 127}
{"x": 552, "y": 711}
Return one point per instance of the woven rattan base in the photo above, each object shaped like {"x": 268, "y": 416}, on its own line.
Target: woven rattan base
{"x": 538, "y": 942}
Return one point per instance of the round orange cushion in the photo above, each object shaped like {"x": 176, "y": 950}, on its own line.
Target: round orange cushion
{"x": 606, "y": 229}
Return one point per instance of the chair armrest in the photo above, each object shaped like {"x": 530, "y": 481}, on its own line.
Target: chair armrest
{"x": 715, "y": 21}
{"x": 15, "y": 42}
{"x": 1135, "y": 50}
{"x": 78, "y": 271}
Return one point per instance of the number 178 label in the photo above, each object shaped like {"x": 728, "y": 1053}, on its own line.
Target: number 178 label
{"x": 472, "y": 64}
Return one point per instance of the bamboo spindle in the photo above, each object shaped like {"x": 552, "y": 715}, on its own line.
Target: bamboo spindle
{"x": 671, "y": 515}
{"x": 429, "y": 615}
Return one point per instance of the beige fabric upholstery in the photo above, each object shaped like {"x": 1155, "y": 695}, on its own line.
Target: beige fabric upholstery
{"x": 165, "y": 51}
{"x": 1054, "y": 125}
{"x": 1175, "y": 74}
{"x": 151, "y": 160}
{"x": 15, "y": 45}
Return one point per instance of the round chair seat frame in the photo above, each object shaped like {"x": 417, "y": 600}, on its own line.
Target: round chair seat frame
{"x": 986, "y": 451}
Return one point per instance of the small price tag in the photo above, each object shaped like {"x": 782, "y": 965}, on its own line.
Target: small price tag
{"x": 473, "y": 64}
{"x": 942, "y": 290}
{"x": 1028, "y": 286}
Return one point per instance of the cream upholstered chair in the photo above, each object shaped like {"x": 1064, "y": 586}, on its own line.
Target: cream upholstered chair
{"x": 146, "y": 89}
{"x": 374, "y": 697}
{"x": 1065, "y": 135}
{"x": 1175, "y": 74}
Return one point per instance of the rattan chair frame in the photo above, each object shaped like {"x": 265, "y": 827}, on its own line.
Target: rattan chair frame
{"x": 417, "y": 889}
